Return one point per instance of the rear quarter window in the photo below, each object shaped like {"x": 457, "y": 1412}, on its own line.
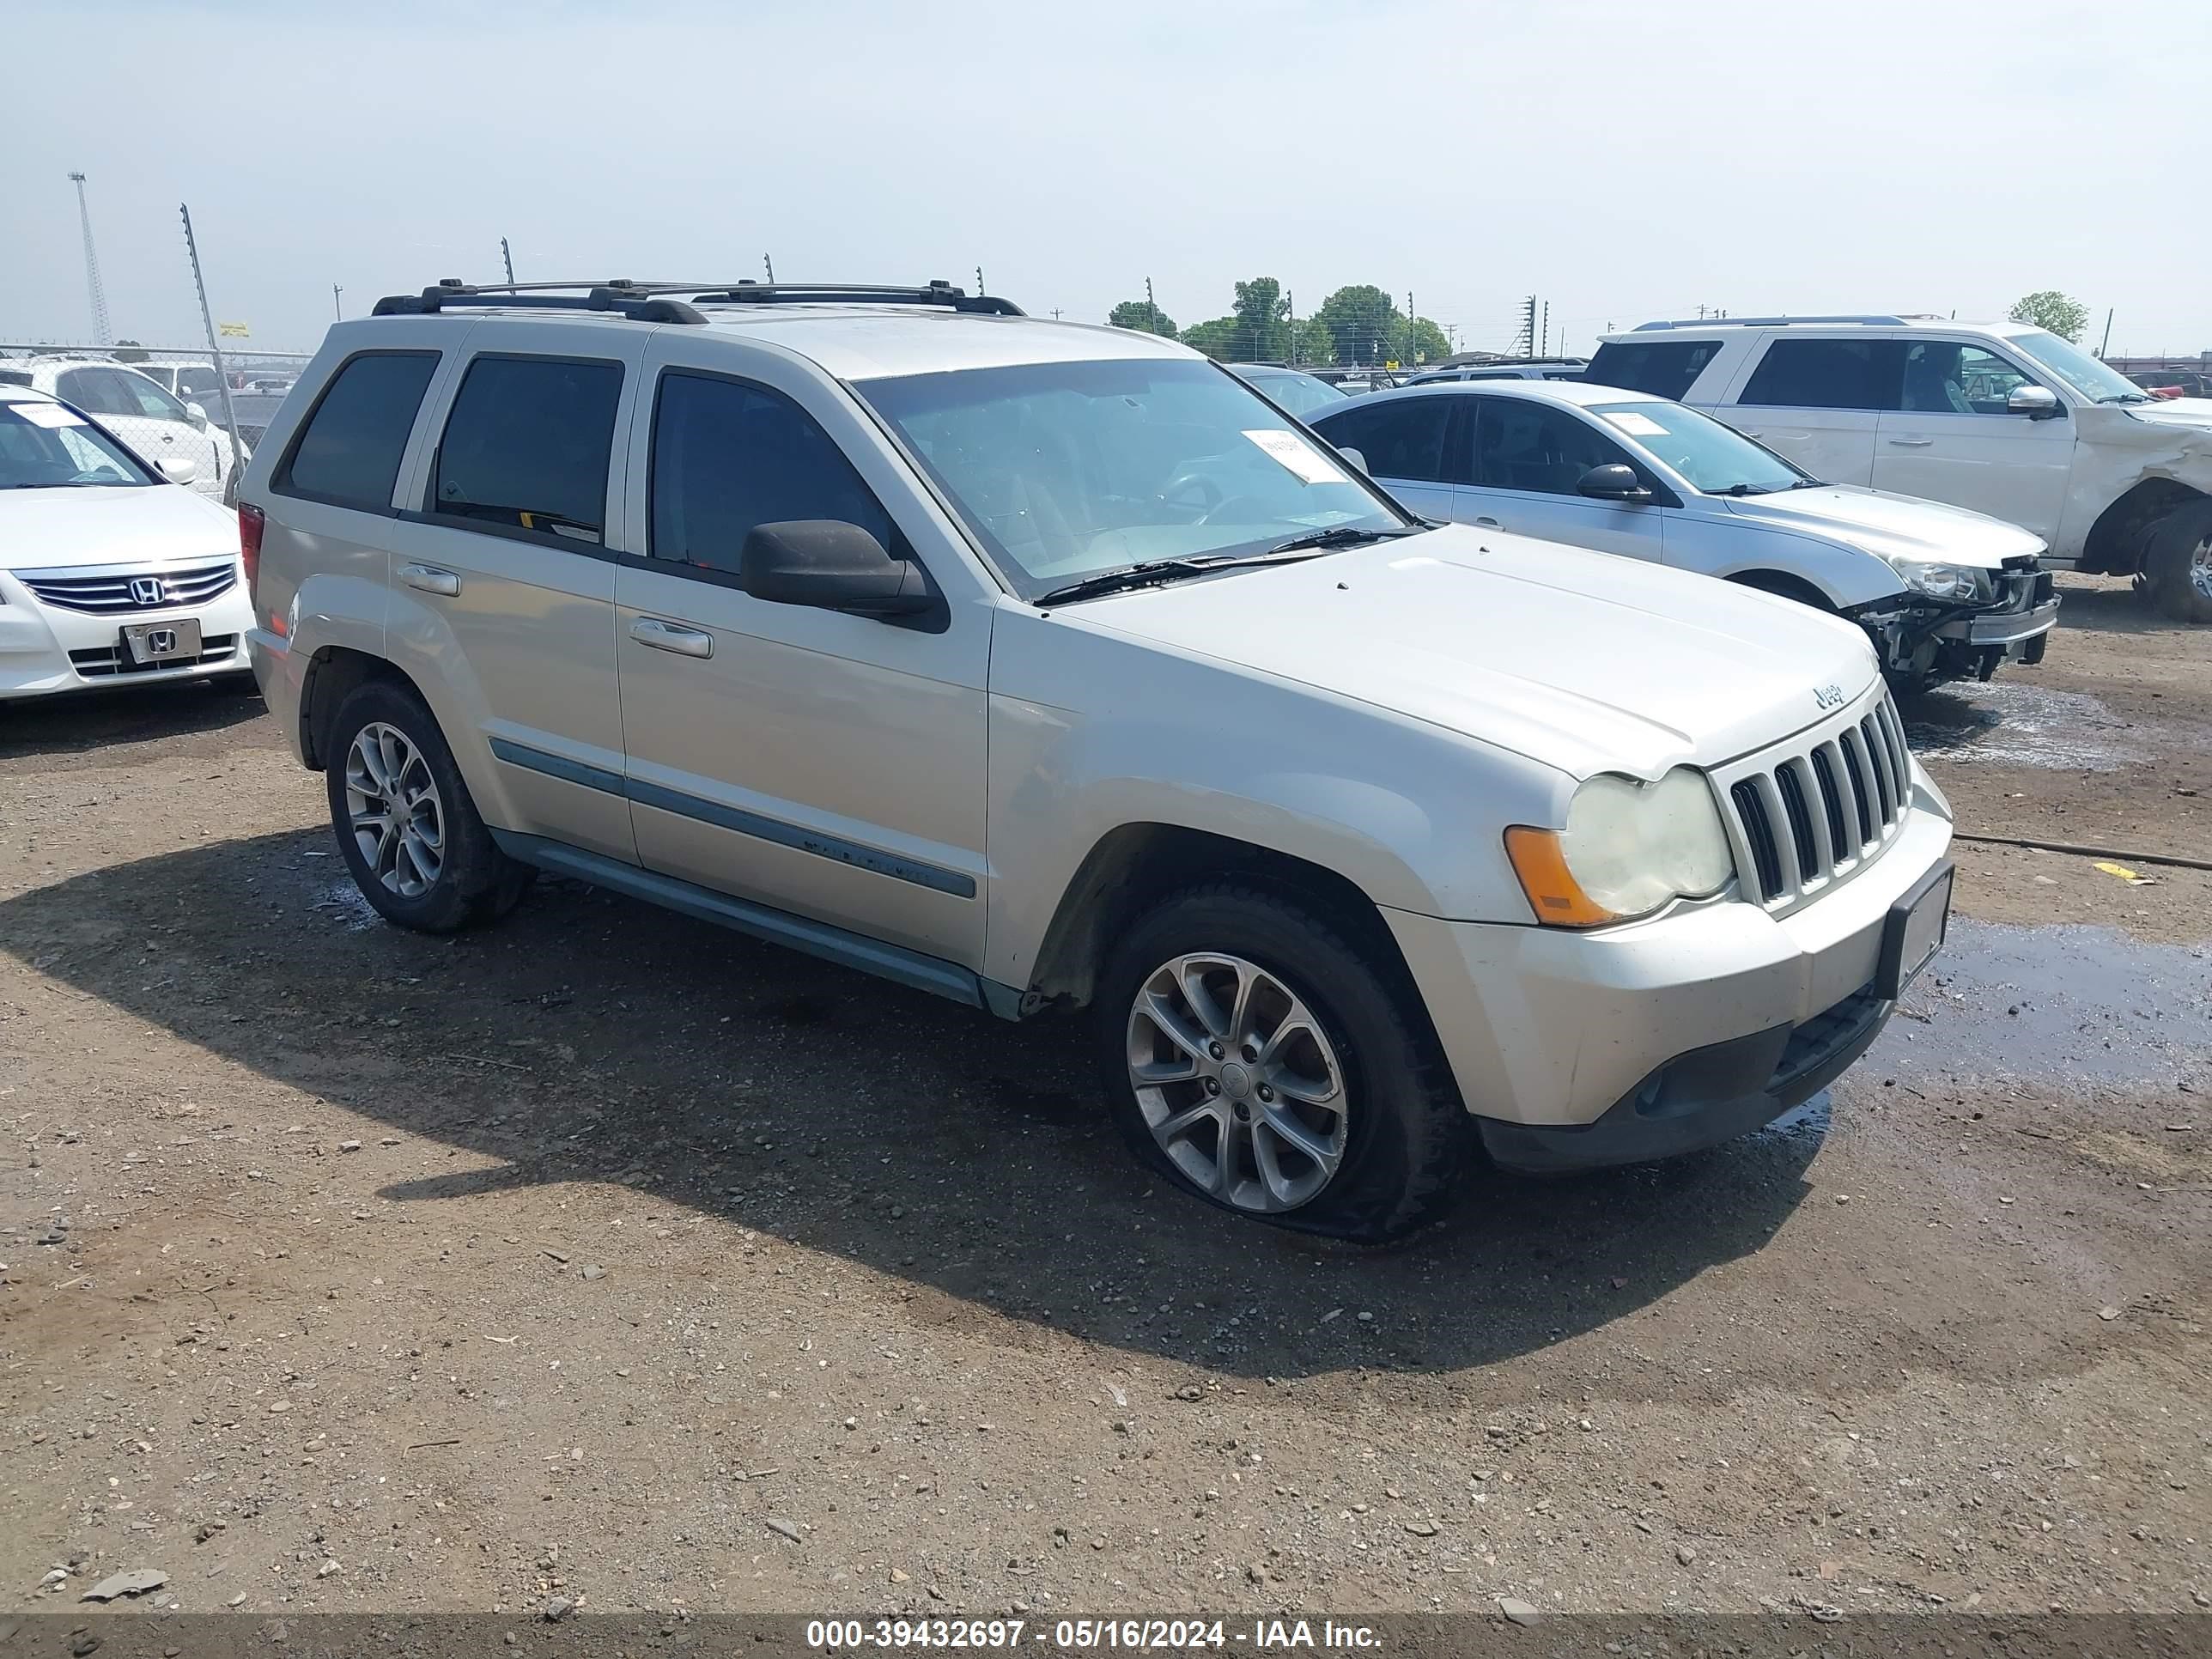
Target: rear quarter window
{"x": 1664, "y": 368}
{"x": 348, "y": 452}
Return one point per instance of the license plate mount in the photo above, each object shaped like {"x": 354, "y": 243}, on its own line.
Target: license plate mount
{"x": 1914, "y": 930}
{"x": 162, "y": 645}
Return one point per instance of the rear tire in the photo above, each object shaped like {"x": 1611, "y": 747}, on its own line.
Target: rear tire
{"x": 1288, "y": 1073}
{"x": 2177, "y": 561}
{"x": 405, "y": 823}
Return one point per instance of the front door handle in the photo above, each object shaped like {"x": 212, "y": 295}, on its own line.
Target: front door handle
{"x": 1912, "y": 443}
{"x": 673, "y": 636}
{"x": 430, "y": 579}
{"x": 1490, "y": 524}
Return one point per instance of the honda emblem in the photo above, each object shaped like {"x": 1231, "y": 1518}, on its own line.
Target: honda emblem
{"x": 147, "y": 592}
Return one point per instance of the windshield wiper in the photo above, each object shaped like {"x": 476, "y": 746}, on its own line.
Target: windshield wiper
{"x": 1342, "y": 535}
{"x": 1154, "y": 573}
{"x": 1810, "y": 483}
{"x": 2127, "y": 397}
{"x": 1747, "y": 489}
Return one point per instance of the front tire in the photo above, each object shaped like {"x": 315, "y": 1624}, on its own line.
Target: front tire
{"x": 405, "y": 823}
{"x": 1258, "y": 1057}
{"x": 2178, "y": 563}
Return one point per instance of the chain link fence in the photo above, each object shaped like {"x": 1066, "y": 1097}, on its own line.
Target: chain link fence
{"x": 167, "y": 403}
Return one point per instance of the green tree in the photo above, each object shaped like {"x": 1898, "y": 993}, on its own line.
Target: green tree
{"x": 1362, "y": 322}
{"x": 1314, "y": 343}
{"x": 2063, "y": 314}
{"x": 1428, "y": 344}
{"x": 1263, "y": 321}
{"x": 1143, "y": 316}
{"x": 129, "y": 351}
{"x": 1216, "y": 339}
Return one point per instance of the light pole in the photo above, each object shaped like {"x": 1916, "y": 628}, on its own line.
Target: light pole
{"x": 338, "y": 311}
{"x": 102, "y": 333}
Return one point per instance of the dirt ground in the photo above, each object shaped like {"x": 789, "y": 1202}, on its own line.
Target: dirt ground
{"x": 607, "y": 1257}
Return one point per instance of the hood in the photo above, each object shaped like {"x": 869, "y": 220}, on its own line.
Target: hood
{"x": 1890, "y": 527}
{"x": 44, "y": 529}
{"x": 2192, "y": 412}
{"x": 1581, "y": 660}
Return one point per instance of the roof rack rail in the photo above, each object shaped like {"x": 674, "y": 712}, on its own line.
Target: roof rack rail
{"x": 642, "y": 302}
{"x": 653, "y": 302}
{"x": 1882, "y": 321}
{"x": 937, "y": 293}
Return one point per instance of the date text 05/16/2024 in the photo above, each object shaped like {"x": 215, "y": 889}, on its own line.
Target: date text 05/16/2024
{"x": 1087, "y": 1635}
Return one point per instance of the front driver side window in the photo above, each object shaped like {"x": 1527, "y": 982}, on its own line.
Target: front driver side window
{"x": 1949, "y": 377}
{"x": 1520, "y": 444}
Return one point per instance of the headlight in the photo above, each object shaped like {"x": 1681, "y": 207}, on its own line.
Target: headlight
{"x": 1962, "y": 584}
{"x": 1628, "y": 848}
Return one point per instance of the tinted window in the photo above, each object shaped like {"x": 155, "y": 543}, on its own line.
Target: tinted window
{"x": 527, "y": 446}
{"x": 1827, "y": 374}
{"x": 349, "y": 453}
{"x": 728, "y": 456}
{"x": 1398, "y": 438}
{"x": 1665, "y": 368}
{"x": 96, "y": 391}
{"x": 1949, "y": 377}
{"x": 1523, "y": 445}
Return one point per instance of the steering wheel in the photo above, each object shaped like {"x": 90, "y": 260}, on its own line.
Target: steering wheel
{"x": 1199, "y": 484}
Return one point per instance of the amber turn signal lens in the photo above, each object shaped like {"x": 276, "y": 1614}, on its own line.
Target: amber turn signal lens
{"x": 1553, "y": 893}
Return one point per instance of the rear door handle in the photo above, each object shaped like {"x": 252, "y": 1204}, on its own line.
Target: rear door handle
{"x": 430, "y": 579}
{"x": 673, "y": 636}
{"x": 1912, "y": 443}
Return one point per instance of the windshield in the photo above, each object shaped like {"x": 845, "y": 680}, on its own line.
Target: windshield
{"x": 1301, "y": 394}
{"x": 1716, "y": 459}
{"x": 52, "y": 446}
{"x": 2099, "y": 382}
{"x": 1064, "y": 470}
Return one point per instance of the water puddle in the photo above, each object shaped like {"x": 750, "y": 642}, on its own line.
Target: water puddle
{"x": 2013, "y": 722}
{"x": 353, "y": 911}
{"x": 2055, "y": 1005}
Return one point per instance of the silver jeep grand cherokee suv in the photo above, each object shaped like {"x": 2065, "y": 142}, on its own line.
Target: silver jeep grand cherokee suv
{"x": 1035, "y": 664}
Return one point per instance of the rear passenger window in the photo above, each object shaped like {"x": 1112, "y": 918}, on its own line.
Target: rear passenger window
{"x": 527, "y": 444}
{"x": 1665, "y": 368}
{"x": 1827, "y": 374}
{"x": 726, "y": 457}
{"x": 1398, "y": 437}
{"x": 348, "y": 454}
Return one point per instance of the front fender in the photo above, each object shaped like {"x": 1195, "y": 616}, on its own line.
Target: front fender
{"x": 1847, "y": 576}
{"x": 1090, "y": 733}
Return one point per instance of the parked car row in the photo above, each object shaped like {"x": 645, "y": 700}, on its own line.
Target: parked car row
{"x": 1048, "y": 667}
{"x": 137, "y": 407}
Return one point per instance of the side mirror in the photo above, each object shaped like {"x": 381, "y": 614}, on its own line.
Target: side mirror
{"x": 177, "y": 468}
{"x": 1612, "y": 483}
{"x": 199, "y": 416}
{"x": 829, "y": 565}
{"x": 1356, "y": 458}
{"x": 2038, "y": 403}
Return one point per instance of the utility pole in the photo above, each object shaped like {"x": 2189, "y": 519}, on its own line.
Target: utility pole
{"x": 2107, "y": 347}
{"x": 1291, "y": 311}
{"x": 1546, "y": 344}
{"x": 102, "y": 334}
{"x": 1151, "y": 311}
{"x": 978, "y": 279}
{"x": 1410, "y": 337}
{"x": 215, "y": 351}
{"x": 338, "y": 311}
{"x": 767, "y": 263}
{"x": 1527, "y": 338}
{"x": 508, "y": 259}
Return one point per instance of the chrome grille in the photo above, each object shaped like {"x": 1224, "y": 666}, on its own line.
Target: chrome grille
{"x": 104, "y": 661}
{"x": 1817, "y": 808}
{"x": 105, "y": 592}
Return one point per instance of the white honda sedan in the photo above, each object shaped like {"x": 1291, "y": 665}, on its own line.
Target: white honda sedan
{"x": 113, "y": 572}
{"x": 137, "y": 409}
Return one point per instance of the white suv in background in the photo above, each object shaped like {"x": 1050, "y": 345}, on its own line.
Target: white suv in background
{"x": 137, "y": 409}
{"x": 2001, "y": 417}
{"x": 1038, "y": 665}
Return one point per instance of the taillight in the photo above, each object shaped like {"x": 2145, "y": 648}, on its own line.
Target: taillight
{"x": 250, "y": 521}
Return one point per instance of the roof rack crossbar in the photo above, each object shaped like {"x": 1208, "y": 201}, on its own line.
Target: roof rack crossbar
{"x": 652, "y": 302}
{"x": 1881, "y": 321}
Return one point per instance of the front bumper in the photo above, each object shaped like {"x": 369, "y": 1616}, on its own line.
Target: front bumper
{"x": 1737, "y": 1013}
{"x": 48, "y": 649}
{"x": 2010, "y": 628}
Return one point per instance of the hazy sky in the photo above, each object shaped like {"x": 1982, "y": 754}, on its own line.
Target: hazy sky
{"x": 1626, "y": 160}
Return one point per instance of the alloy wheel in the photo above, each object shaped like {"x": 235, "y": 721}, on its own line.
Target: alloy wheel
{"x": 1237, "y": 1082}
{"x": 393, "y": 811}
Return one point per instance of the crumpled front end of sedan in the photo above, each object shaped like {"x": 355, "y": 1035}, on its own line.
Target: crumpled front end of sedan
{"x": 1961, "y": 622}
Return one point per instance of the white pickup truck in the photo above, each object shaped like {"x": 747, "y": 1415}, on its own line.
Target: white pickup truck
{"x": 2004, "y": 418}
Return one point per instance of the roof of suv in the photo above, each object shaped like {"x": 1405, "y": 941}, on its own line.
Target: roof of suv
{"x": 1738, "y": 325}
{"x": 847, "y": 331}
